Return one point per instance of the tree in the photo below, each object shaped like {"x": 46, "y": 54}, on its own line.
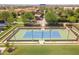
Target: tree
{"x": 51, "y": 17}
{"x": 72, "y": 18}
{"x": 10, "y": 20}
{"x": 5, "y": 15}
{"x": 44, "y": 8}
{"x": 77, "y": 10}
{"x": 69, "y": 12}
{"x": 1, "y": 16}
{"x": 14, "y": 14}
{"x": 27, "y": 17}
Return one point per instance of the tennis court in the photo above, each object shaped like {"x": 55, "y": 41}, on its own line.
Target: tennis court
{"x": 47, "y": 34}
{"x": 42, "y": 34}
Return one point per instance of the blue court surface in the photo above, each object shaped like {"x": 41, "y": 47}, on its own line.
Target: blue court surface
{"x": 42, "y": 34}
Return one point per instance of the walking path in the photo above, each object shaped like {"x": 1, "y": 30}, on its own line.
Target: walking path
{"x": 43, "y": 25}
{"x": 43, "y": 22}
{"x": 2, "y": 49}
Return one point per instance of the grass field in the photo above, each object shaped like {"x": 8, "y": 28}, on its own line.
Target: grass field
{"x": 46, "y": 50}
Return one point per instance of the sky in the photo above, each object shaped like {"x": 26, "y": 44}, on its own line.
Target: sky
{"x": 39, "y": 1}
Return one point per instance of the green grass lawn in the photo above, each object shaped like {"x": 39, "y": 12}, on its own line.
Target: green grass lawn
{"x": 46, "y": 50}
